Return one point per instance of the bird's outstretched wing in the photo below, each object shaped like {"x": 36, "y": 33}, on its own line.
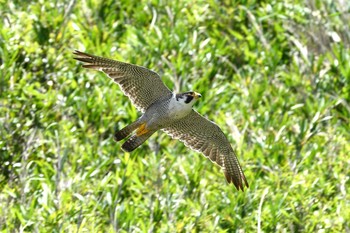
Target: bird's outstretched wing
{"x": 141, "y": 85}
{"x": 205, "y": 136}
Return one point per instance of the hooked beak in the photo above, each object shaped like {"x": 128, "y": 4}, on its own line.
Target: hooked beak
{"x": 197, "y": 95}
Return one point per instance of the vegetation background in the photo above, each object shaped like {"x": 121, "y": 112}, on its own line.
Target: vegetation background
{"x": 275, "y": 75}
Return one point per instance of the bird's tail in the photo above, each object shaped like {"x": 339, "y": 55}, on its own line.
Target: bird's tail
{"x": 135, "y": 141}
{"x": 126, "y": 131}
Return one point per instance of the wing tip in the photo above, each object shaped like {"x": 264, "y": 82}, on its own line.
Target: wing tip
{"x": 81, "y": 54}
{"x": 239, "y": 182}
{"x": 86, "y": 58}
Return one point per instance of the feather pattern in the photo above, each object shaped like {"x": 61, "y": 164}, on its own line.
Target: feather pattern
{"x": 149, "y": 94}
{"x": 205, "y": 136}
{"x": 141, "y": 85}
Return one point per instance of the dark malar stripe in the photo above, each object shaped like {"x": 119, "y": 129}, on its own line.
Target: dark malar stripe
{"x": 188, "y": 99}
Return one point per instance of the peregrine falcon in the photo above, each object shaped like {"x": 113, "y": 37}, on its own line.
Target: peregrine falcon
{"x": 170, "y": 112}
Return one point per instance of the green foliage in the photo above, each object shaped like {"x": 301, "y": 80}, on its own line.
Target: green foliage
{"x": 274, "y": 75}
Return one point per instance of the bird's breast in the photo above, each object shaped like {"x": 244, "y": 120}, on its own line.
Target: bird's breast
{"x": 165, "y": 112}
{"x": 177, "y": 109}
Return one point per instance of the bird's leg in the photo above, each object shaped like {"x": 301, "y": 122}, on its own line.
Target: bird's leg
{"x": 141, "y": 130}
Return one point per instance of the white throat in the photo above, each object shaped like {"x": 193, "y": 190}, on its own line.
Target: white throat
{"x": 178, "y": 108}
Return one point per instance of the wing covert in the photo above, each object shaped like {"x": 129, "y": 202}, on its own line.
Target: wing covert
{"x": 205, "y": 136}
{"x": 141, "y": 85}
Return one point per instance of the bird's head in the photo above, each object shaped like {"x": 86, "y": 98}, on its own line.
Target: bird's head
{"x": 189, "y": 97}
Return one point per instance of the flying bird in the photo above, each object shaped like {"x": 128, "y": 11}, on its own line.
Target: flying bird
{"x": 164, "y": 110}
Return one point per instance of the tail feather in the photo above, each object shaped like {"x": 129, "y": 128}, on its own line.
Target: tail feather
{"x": 126, "y": 131}
{"x": 135, "y": 141}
